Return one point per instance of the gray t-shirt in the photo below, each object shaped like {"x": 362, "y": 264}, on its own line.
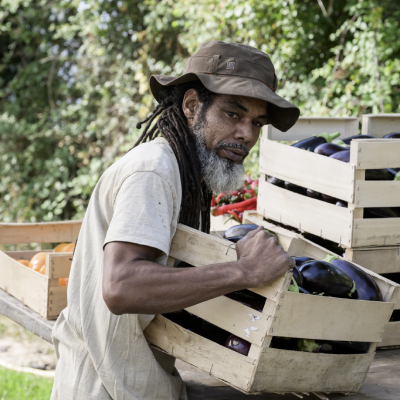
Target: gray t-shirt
{"x": 103, "y": 356}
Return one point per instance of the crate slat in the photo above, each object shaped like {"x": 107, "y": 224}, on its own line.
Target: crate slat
{"x": 376, "y": 232}
{"x": 44, "y": 232}
{"x": 234, "y": 317}
{"x": 57, "y": 301}
{"x": 308, "y": 372}
{"x": 379, "y": 125}
{"x": 316, "y": 317}
{"x": 377, "y": 194}
{"x": 375, "y": 153}
{"x": 328, "y": 176}
{"x": 59, "y": 265}
{"x": 216, "y": 360}
{"x": 391, "y": 336}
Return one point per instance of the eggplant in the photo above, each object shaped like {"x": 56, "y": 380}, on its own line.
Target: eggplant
{"x": 248, "y": 299}
{"x": 393, "y": 135}
{"x": 323, "y": 278}
{"x": 237, "y": 344}
{"x": 295, "y": 188}
{"x": 341, "y": 347}
{"x": 302, "y": 260}
{"x": 303, "y": 291}
{"x": 341, "y": 203}
{"x": 366, "y": 287}
{"x": 341, "y": 156}
{"x": 239, "y": 231}
{"x": 297, "y": 276}
{"x": 325, "y": 346}
{"x": 235, "y": 239}
{"x": 329, "y": 199}
{"x": 313, "y": 194}
{"x": 311, "y": 143}
{"x": 349, "y": 139}
{"x": 381, "y": 212}
{"x": 213, "y": 332}
{"x": 327, "y": 149}
{"x": 387, "y": 174}
{"x": 275, "y": 181}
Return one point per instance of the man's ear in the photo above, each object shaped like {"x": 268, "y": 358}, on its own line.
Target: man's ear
{"x": 190, "y": 105}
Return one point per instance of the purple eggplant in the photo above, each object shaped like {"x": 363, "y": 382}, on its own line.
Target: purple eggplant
{"x": 341, "y": 203}
{"x": 323, "y": 278}
{"x": 303, "y": 291}
{"x": 387, "y": 174}
{"x": 325, "y": 346}
{"x": 311, "y": 143}
{"x": 302, "y": 260}
{"x": 275, "y": 181}
{"x": 341, "y": 156}
{"x": 327, "y": 149}
{"x": 295, "y": 188}
{"x": 237, "y": 344}
{"x": 381, "y": 212}
{"x": 349, "y": 139}
{"x": 329, "y": 199}
{"x": 313, "y": 194}
{"x": 366, "y": 287}
{"x": 393, "y": 135}
{"x": 248, "y": 299}
{"x": 239, "y": 231}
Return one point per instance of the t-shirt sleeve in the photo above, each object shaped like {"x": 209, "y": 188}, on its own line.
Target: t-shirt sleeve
{"x": 143, "y": 211}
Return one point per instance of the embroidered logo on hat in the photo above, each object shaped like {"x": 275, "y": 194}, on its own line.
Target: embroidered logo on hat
{"x": 230, "y": 65}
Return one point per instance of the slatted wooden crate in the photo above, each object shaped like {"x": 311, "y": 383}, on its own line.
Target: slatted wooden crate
{"x": 39, "y": 292}
{"x": 379, "y": 125}
{"x": 286, "y": 314}
{"x": 345, "y": 181}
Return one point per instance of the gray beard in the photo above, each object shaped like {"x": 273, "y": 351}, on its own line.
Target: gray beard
{"x": 219, "y": 174}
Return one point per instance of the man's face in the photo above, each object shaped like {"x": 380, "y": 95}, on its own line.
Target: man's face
{"x": 232, "y": 125}
{"x": 225, "y": 132}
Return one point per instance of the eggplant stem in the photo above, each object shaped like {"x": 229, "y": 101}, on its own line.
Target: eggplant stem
{"x": 295, "y": 287}
{"x": 328, "y": 136}
{"x": 397, "y": 176}
{"x": 330, "y": 257}
{"x": 353, "y": 289}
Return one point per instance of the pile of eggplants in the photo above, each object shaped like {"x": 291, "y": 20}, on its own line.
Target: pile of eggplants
{"x": 324, "y": 145}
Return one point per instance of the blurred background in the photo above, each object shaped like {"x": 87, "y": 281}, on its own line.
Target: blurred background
{"x": 74, "y": 78}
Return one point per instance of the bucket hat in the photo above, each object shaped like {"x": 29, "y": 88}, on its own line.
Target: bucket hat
{"x": 234, "y": 69}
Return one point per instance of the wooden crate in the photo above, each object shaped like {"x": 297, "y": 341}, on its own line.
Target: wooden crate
{"x": 39, "y": 292}
{"x": 286, "y": 314}
{"x": 379, "y": 125}
{"x": 345, "y": 181}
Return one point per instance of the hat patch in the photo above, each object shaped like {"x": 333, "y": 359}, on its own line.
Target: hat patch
{"x": 230, "y": 65}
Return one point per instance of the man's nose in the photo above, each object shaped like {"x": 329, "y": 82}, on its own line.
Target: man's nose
{"x": 244, "y": 132}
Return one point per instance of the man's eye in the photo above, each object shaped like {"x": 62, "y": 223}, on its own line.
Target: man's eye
{"x": 232, "y": 114}
{"x": 258, "y": 124}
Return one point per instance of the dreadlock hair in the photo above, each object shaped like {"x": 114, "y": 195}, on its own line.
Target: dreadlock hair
{"x": 172, "y": 125}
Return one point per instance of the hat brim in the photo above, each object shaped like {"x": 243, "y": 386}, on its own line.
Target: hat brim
{"x": 281, "y": 113}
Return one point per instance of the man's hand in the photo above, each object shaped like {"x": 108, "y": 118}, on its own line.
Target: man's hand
{"x": 261, "y": 258}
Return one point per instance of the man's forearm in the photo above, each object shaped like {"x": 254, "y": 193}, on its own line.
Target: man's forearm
{"x": 149, "y": 288}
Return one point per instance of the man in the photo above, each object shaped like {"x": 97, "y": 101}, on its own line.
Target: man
{"x": 208, "y": 120}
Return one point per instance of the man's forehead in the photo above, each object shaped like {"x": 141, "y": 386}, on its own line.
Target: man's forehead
{"x": 246, "y": 104}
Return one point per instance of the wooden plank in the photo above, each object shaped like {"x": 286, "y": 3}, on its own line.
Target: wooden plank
{"x": 319, "y": 317}
{"x": 307, "y": 169}
{"x": 57, "y": 301}
{"x": 294, "y": 371}
{"x": 306, "y": 214}
{"x": 221, "y": 223}
{"x": 307, "y": 126}
{"x": 234, "y": 317}
{"x": 391, "y": 336}
{"x": 30, "y": 287}
{"x": 216, "y": 360}
{"x": 377, "y": 194}
{"x": 376, "y": 232}
{"x": 58, "y": 265}
{"x": 25, "y": 254}
{"x": 379, "y": 125}
{"x": 24, "y": 316}
{"x": 198, "y": 248}
{"x": 382, "y": 260}
{"x": 375, "y": 153}
{"x": 44, "y": 232}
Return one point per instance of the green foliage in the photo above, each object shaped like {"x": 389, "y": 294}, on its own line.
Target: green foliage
{"x": 21, "y": 386}
{"x": 74, "y": 78}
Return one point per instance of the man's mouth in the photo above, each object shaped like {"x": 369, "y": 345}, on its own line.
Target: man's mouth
{"x": 234, "y": 152}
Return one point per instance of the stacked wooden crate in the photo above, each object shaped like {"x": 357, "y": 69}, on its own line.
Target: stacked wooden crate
{"x": 40, "y": 292}
{"x": 372, "y": 243}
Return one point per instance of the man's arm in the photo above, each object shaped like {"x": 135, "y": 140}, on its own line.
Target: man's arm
{"x": 134, "y": 284}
